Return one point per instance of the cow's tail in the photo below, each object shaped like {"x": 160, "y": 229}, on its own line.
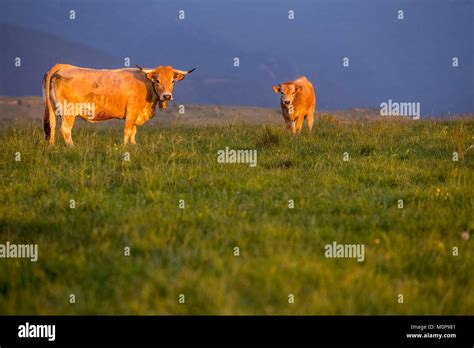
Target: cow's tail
{"x": 49, "y": 120}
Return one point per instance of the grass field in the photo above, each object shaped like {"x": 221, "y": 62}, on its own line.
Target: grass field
{"x": 190, "y": 251}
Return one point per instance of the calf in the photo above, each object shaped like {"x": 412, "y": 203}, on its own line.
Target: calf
{"x": 297, "y": 102}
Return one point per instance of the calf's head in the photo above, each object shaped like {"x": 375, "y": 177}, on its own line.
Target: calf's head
{"x": 288, "y": 93}
{"x": 163, "y": 79}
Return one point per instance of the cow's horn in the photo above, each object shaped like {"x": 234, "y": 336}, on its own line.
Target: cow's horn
{"x": 143, "y": 69}
{"x": 184, "y": 72}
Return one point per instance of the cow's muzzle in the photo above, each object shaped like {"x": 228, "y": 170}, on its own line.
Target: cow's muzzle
{"x": 167, "y": 96}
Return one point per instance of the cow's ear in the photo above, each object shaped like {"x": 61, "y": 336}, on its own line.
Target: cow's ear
{"x": 149, "y": 73}
{"x": 152, "y": 76}
{"x": 276, "y": 88}
{"x": 181, "y": 74}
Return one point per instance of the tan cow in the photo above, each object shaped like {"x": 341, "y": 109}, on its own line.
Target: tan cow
{"x": 297, "y": 102}
{"x": 98, "y": 95}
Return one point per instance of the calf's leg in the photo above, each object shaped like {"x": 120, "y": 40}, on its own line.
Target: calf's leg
{"x": 310, "y": 120}
{"x": 299, "y": 125}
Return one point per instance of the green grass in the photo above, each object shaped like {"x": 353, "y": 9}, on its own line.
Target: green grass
{"x": 190, "y": 251}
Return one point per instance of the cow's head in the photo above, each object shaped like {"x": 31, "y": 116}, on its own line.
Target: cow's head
{"x": 288, "y": 92}
{"x": 163, "y": 79}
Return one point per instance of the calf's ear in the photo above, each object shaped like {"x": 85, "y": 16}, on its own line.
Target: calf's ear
{"x": 276, "y": 88}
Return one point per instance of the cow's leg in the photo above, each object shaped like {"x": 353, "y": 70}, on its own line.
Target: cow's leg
{"x": 126, "y": 135}
{"x": 132, "y": 136}
{"x": 67, "y": 123}
{"x": 128, "y": 131}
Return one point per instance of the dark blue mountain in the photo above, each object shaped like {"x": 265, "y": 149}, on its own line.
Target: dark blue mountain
{"x": 402, "y": 60}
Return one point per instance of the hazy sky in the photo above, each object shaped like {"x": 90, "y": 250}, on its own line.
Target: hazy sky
{"x": 389, "y": 58}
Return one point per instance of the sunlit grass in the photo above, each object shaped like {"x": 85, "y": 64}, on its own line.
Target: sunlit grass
{"x": 190, "y": 251}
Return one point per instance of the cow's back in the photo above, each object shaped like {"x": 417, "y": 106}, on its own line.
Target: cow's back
{"x": 108, "y": 90}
